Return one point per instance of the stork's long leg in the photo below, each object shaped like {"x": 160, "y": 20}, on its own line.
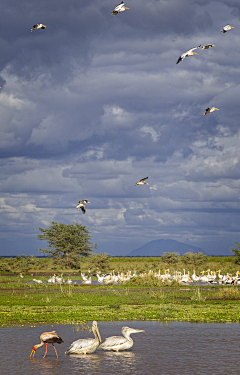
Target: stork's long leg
{"x": 55, "y": 350}
{"x": 45, "y": 351}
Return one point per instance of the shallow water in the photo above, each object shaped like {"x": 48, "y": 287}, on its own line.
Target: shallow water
{"x": 173, "y": 348}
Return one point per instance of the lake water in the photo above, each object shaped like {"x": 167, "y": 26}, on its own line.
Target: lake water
{"x": 173, "y": 348}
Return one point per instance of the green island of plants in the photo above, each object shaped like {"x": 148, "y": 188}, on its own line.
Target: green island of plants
{"x": 23, "y": 302}
{"x": 141, "y": 298}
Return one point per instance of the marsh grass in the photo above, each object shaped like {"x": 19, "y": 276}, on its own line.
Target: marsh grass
{"x": 228, "y": 293}
{"x": 198, "y": 296}
{"x": 149, "y": 281}
{"x": 30, "y": 303}
{"x": 28, "y": 265}
{"x": 157, "y": 294}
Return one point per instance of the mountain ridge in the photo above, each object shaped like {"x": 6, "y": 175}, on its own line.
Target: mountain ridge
{"x": 158, "y": 247}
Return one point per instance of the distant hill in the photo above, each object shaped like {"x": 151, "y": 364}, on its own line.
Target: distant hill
{"x": 158, "y": 247}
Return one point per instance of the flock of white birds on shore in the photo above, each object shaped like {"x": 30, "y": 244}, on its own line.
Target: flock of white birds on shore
{"x": 208, "y": 276}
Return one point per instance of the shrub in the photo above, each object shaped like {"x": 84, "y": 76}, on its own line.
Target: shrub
{"x": 170, "y": 258}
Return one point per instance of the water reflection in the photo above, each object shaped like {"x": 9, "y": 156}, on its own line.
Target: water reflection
{"x": 165, "y": 349}
{"x": 46, "y": 366}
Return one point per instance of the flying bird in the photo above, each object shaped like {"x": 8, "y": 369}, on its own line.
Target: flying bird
{"x": 86, "y": 346}
{"x": 118, "y": 9}
{"x": 38, "y": 26}
{"x": 47, "y": 338}
{"x": 208, "y": 46}
{"x": 210, "y": 110}
{"x": 188, "y": 53}
{"x": 142, "y": 182}
{"x": 81, "y": 204}
{"x": 123, "y": 342}
{"x": 227, "y": 28}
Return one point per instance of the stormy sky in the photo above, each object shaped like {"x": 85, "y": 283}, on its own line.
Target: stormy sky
{"x": 95, "y": 102}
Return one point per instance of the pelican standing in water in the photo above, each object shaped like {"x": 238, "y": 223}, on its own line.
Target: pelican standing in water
{"x": 86, "y": 346}
{"x": 226, "y": 28}
{"x": 142, "y": 182}
{"x": 38, "y": 26}
{"x": 118, "y": 9}
{"x": 81, "y": 204}
{"x": 188, "y": 53}
{"x": 123, "y": 342}
{"x": 210, "y": 110}
{"x": 47, "y": 338}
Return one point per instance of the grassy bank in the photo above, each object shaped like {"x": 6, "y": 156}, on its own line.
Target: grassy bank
{"x": 26, "y": 303}
{"x": 40, "y": 266}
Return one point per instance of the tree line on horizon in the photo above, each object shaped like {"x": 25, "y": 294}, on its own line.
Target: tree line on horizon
{"x": 69, "y": 243}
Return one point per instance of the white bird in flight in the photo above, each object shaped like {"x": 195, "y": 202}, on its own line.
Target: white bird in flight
{"x": 119, "y": 8}
{"x": 208, "y": 46}
{"x": 188, "y": 53}
{"x": 81, "y": 204}
{"x": 38, "y": 26}
{"x": 210, "y": 110}
{"x": 227, "y": 28}
{"x": 142, "y": 182}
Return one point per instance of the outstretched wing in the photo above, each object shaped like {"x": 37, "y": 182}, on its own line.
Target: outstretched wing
{"x": 83, "y": 209}
{"x": 192, "y": 49}
{"x": 143, "y": 179}
{"x": 119, "y": 6}
{"x": 180, "y": 59}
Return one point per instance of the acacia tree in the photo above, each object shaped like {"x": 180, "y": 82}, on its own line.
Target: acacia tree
{"x": 170, "y": 258}
{"x": 196, "y": 259}
{"x": 100, "y": 261}
{"x": 236, "y": 252}
{"x": 67, "y": 242}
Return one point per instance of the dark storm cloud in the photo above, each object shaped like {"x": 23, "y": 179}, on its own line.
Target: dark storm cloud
{"x": 94, "y": 102}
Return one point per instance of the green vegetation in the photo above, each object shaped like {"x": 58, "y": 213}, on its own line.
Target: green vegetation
{"x": 37, "y": 266}
{"x": 170, "y": 258}
{"x": 141, "y": 298}
{"x": 99, "y": 262}
{"x": 67, "y": 243}
{"x": 197, "y": 259}
{"x": 236, "y": 253}
{"x": 26, "y": 303}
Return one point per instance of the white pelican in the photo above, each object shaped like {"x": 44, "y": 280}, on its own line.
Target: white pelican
{"x": 86, "y": 279}
{"x": 59, "y": 280}
{"x": 38, "y": 26}
{"x": 118, "y": 9}
{"x": 227, "y": 28}
{"x": 81, "y": 204}
{"x": 188, "y": 53}
{"x": 142, "y": 182}
{"x": 194, "y": 276}
{"x": 210, "y": 110}
{"x": 47, "y": 338}
{"x": 123, "y": 342}
{"x": 86, "y": 346}
{"x": 208, "y": 46}
{"x": 37, "y": 281}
